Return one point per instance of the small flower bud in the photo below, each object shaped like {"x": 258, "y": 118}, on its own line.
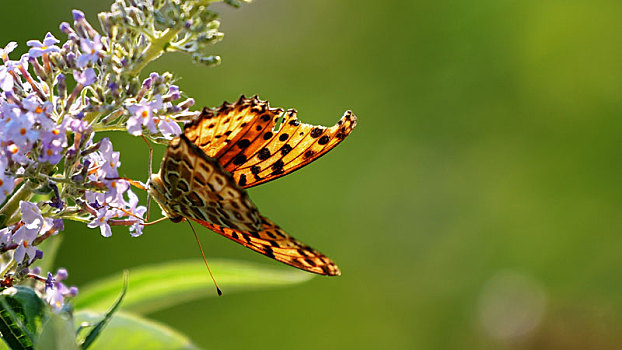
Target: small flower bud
{"x": 37, "y": 68}
{"x": 61, "y": 274}
{"x": 39, "y": 254}
{"x": 186, "y": 104}
{"x": 61, "y": 86}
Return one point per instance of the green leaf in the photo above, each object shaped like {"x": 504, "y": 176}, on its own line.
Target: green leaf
{"x": 127, "y": 331}
{"x": 21, "y": 315}
{"x": 58, "y": 333}
{"x": 95, "y": 332}
{"x": 156, "y": 287}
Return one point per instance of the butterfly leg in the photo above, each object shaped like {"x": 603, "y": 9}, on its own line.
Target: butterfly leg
{"x": 155, "y": 221}
{"x": 149, "y": 175}
{"x": 145, "y": 222}
{"x": 134, "y": 183}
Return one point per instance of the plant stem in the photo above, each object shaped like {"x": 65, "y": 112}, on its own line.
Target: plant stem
{"x": 7, "y": 268}
{"x": 12, "y": 205}
{"x": 109, "y": 128}
{"x": 155, "y": 49}
{"x": 159, "y": 45}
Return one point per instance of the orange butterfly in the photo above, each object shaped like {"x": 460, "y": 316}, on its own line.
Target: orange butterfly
{"x": 205, "y": 170}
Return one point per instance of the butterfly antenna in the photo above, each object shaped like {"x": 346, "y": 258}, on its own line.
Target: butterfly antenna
{"x": 204, "y": 259}
{"x": 149, "y": 175}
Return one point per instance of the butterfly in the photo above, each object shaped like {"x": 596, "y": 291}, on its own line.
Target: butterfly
{"x": 205, "y": 171}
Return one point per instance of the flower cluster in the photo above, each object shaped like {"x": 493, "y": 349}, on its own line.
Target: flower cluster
{"x": 53, "y": 289}
{"x": 58, "y": 96}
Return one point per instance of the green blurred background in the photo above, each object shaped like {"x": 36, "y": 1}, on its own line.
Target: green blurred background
{"x": 476, "y": 205}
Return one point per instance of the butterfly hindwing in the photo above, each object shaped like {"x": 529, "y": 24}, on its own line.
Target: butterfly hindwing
{"x": 195, "y": 186}
{"x": 273, "y": 242}
{"x": 242, "y": 136}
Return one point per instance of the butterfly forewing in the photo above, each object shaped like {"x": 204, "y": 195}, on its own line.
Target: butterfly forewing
{"x": 243, "y": 138}
{"x": 195, "y": 186}
{"x": 272, "y": 242}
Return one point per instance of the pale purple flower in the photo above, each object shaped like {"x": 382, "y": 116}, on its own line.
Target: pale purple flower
{"x": 18, "y": 154}
{"x": 19, "y": 128}
{"x": 33, "y": 222}
{"x": 53, "y": 144}
{"x": 168, "y": 126}
{"x": 105, "y": 162}
{"x": 55, "y": 298}
{"x": 103, "y": 215}
{"x": 114, "y": 195}
{"x": 37, "y": 108}
{"x": 133, "y": 207}
{"x": 110, "y": 159}
{"x": 56, "y": 291}
{"x": 4, "y": 52}
{"x": 25, "y": 248}
{"x": 86, "y": 77}
{"x": 39, "y": 113}
{"x": 31, "y": 214}
{"x": 20, "y": 131}
{"x": 77, "y": 126}
{"x": 91, "y": 51}
{"x": 39, "y": 48}
{"x": 6, "y": 79}
{"x": 18, "y": 134}
{"x": 142, "y": 115}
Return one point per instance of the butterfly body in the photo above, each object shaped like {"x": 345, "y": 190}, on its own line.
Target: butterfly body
{"x": 193, "y": 185}
{"x": 205, "y": 170}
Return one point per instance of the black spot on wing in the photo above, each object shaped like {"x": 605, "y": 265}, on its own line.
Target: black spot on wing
{"x": 316, "y": 132}
{"x": 286, "y": 149}
{"x": 263, "y": 154}
{"x": 239, "y": 159}
{"x": 244, "y": 143}
{"x": 277, "y": 167}
{"x": 242, "y": 180}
